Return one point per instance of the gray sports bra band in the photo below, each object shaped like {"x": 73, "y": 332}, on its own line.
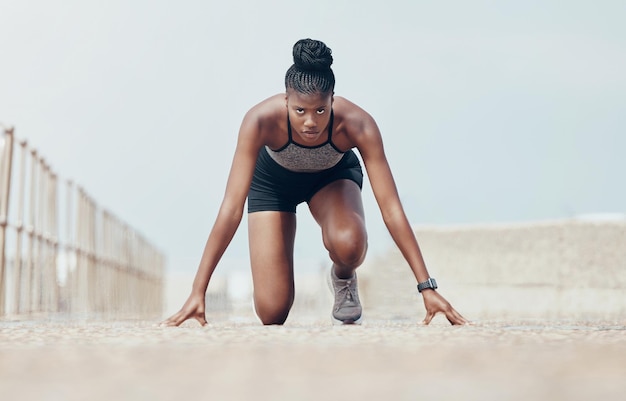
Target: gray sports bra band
{"x": 302, "y": 158}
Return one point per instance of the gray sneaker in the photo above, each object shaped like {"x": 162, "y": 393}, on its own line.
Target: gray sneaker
{"x": 347, "y": 307}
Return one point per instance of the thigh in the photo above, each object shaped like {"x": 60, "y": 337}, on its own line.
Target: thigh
{"x": 271, "y": 237}
{"x": 338, "y": 209}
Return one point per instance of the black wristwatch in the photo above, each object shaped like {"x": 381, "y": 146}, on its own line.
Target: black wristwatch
{"x": 430, "y": 283}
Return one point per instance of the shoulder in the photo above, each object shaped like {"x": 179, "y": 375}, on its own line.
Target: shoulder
{"x": 354, "y": 122}
{"x": 265, "y": 119}
{"x": 267, "y": 111}
{"x": 349, "y": 111}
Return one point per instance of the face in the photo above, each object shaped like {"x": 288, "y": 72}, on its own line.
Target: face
{"x": 309, "y": 115}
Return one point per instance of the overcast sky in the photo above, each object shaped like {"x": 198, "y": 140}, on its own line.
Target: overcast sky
{"x": 491, "y": 111}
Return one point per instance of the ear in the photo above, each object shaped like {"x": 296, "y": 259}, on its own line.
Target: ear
{"x": 286, "y": 100}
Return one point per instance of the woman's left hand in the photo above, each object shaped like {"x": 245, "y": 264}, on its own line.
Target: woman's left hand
{"x": 435, "y": 303}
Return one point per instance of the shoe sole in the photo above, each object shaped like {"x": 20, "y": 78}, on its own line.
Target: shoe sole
{"x": 350, "y": 322}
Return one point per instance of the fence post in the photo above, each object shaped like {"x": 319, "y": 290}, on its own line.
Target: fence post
{"x": 55, "y": 242}
{"x": 70, "y": 250}
{"x": 5, "y": 179}
{"x": 30, "y": 231}
{"x": 20, "y": 231}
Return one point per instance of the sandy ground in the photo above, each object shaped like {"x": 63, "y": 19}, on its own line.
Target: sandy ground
{"x": 310, "y": 359}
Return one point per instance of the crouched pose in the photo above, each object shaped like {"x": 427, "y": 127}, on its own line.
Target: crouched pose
{"x": 297, "y": 147}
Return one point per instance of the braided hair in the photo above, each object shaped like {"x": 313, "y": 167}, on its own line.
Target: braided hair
{"x": 311, "y": 72}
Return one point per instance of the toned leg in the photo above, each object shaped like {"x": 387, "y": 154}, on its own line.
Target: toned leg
{"x": 338, "y": 209}
{"x": 271, "y": 238}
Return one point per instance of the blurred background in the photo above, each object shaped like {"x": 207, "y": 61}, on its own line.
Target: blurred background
{"x": 491, "y": 112}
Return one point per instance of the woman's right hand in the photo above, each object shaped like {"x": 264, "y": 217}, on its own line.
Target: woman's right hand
{"x": 193, "y": 308}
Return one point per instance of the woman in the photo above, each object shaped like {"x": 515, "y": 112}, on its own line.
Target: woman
{"x": 297, "y": 147}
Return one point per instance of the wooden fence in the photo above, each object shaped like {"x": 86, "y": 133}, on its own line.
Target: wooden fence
{"x": 62, "y": 254}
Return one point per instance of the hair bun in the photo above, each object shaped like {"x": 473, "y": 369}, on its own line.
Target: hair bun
{"x": 309, "y": 54}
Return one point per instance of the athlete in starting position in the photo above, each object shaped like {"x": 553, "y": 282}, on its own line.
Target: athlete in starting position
{"x": 297, "y": 147}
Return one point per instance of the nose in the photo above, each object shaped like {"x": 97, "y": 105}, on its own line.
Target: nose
{"x": 309, "y": 122}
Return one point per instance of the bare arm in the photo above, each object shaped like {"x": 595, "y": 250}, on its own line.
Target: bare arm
{"x": 226, "y": 222}
{"x": 370, "y": 145}
{"x": 386, "y": 194}
{"x": 231, "y": 209}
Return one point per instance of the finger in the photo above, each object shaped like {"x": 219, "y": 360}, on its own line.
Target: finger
{"x": 455, "y": 318}
{"x": 201, "y": 318}
{"x": 428, "y": 318}
{"x": 176, "y": 320}
{"x": 170, "y": 321}
{"x": 167, "y": 322}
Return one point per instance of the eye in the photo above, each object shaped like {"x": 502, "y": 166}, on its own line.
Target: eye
{"x": 300, "y": 110}
{"x": 321, "y": 111}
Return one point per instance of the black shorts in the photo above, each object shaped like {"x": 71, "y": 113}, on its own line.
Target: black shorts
{"x": 274, "y": 188}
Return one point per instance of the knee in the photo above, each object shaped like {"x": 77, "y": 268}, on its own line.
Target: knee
{"x": 348, "y": 247}
{"x": 272, "y": 312}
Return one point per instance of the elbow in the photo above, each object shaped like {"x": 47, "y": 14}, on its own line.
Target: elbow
{"x": 391, "y": 216}
{"x": 231, "y": 212}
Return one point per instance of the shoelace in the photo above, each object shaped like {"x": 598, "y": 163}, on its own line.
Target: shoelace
{"x": 348, "y": 295}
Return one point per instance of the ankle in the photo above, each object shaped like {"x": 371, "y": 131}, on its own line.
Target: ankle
{"x": 342, "y": 273}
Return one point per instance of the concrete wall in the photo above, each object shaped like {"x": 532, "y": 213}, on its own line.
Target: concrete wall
{"x": 571, "y": 269}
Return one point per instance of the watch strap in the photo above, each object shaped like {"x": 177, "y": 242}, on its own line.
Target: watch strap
{"x": 428, "y": 284}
